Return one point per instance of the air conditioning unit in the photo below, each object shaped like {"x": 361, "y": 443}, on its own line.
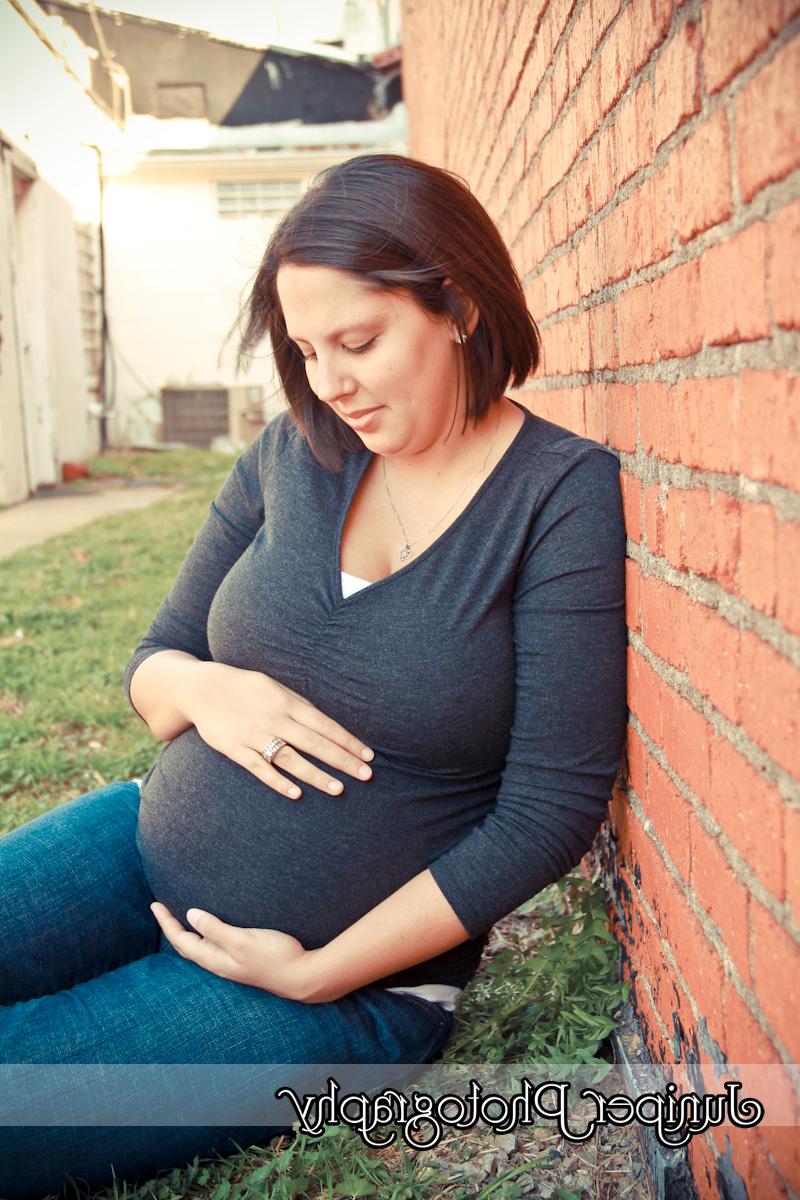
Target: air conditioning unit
{"x": 198, "y": 414}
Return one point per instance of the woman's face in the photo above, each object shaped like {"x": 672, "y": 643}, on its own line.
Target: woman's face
{"x": 385, "y": 366}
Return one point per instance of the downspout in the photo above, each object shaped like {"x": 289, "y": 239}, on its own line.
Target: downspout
{"x": 101, "y": 246}
{"x": 8, "y": 182}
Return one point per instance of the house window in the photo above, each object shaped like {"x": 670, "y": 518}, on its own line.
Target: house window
{"x": 257, "y": 198}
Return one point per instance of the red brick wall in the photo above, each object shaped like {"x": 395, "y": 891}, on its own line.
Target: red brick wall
{"x": 642, "y": 161}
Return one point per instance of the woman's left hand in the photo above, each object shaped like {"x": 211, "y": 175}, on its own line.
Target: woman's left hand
{"x": 264, "y": 958}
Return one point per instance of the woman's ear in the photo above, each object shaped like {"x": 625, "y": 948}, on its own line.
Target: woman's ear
{"x": 465, "y": 307}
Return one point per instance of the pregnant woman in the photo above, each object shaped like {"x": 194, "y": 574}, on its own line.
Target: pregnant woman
{"x": 390, "y": 680}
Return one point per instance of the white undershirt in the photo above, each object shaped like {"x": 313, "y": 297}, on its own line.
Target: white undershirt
{"x": 440, "y": 993}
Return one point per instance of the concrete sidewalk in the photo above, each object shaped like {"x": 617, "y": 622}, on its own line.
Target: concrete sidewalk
{"x": 44, "y": 517}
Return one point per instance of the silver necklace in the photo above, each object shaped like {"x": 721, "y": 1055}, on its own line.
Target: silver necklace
{"x": 405, "y": 549}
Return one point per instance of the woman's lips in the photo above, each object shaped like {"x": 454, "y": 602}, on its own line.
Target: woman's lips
{"x": 364, "y": 419}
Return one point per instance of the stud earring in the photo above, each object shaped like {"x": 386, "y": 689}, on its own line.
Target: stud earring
{"x": 462, "y": 337}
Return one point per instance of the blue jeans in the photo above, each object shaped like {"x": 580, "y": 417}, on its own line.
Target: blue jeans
{"x": 86, "y": 976}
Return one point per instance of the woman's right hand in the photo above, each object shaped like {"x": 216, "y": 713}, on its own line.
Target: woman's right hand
{"x": 237, "y": 711}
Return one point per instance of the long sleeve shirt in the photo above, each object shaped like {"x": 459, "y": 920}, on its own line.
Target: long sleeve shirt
{"x": 488, "y": 674}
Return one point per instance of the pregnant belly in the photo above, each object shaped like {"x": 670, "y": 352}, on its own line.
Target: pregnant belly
{"x": 212, "y": 836}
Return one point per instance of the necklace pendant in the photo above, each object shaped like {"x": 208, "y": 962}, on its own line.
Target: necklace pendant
{"x": 405, "y": 552}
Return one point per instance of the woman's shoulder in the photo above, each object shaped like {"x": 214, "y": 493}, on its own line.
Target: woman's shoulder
{"x": 280, "y": 443}
{"x": 559, "y": 447}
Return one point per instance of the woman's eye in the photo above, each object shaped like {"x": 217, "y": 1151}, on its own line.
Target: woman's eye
{"x": 348, "y": 349}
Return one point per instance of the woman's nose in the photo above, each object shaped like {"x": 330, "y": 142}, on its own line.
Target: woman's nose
{"x": 331, "y": 381}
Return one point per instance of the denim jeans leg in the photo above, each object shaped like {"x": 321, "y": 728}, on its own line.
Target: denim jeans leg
{"x": 166, "y": 1010}
{"x": 74, "y": 901}
{"x": 156, "y": 1008}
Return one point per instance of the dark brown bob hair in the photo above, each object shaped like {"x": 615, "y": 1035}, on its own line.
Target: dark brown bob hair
{"x": 400, "y": 225}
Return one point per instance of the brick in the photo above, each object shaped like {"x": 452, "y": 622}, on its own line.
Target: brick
{"x": 658, "y": 421}
{"x": 587, "y": 105}
{"x": 632, "y": 580}
{"x": 720, "y": 894}
{"x": 554, "y": 352}
{"x": 651, "y": 22}
{"x": 558, "y": 219}
{"x": 646, "y": 695}
{"x": 577, "y": 197}
{"x": 622, "y": 416}
{"x": 628, "y": 160}
{"x": 677, "y": 81}
{"x": 594, "y": 408}
{"x": 783, "y": 237}
{"x": 781, "y": 1141}
{"x": 787, "y": 557}
{"x": 636, "y": 326}
{"x": 565, "y": 407}
{"x": 767, "y": 126}
{"x": 537, "y": 293}
{"x": 703, "y": 193}
{"x": 614, "y": 263}
{"x": 686, "y": 734}
{"x": 560, "y": 82}
{"x": 705, "y": 423}
{"x": 767, "y": 427}
{"x": 767, "y": 675}
{"x": 656, "y": 194}
{"x": 616, "y": 62}
{"x": 759, "y": 558}
{"x": 734, "y": 31}
{"x": 589, "y": 263}
{"x": 567, "y": 140}
{"x": 601, "y": 169}
{"x": 703, "y": 1168}
{"x": 638, "y": 757}
{"x": 777, "y": 971}
{"x": 709, "y": 528}
{"x": 745, "y": 1040}
{"x": 750, "y": 810}
{"x": 670, "y": 813}
{"x": 711, "y": 656}
{"x": 698, "y": 963}
{"x": 602, "y": 342}
{"x": 744, "y": 1150}
{"x": 733, "y": 288}
{"x": 627, "y": 234}
{"x": 792, "y": 845}
{"x": 580, "y": 46}
{"x": 642, "y": 852}
{"x": 662, "y": 607}
{"x": 654, "y": 520}
{"x": 567, "y": 288}
{"x": 676, "y": 303}
{"x": 603, "y": 13}
{"x": 579, "y": 339}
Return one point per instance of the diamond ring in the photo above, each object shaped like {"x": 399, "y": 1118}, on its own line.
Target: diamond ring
{"x": 271, "y": 749}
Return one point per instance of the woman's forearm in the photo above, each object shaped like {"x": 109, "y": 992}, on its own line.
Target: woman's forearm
{"x": 161, "y": 687}
{"x": 412, "y": 925}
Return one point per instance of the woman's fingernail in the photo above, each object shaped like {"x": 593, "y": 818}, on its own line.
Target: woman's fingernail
{"x": 368, "y": 754}
{"x": 364, "y": 773}
{"x": 294, "y": 792}
{"x": 334, "y": 786}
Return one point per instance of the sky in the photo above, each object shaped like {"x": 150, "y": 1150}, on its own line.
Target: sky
{"x": 259, "y": 21}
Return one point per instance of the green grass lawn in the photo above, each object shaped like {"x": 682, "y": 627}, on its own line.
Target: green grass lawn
{"x": 71, "y": 613}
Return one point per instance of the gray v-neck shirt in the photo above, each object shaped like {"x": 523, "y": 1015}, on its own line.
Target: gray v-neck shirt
{"x": 488, "y": 674}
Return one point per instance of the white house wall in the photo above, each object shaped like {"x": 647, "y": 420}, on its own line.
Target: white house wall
{"x": 175, "y": 273}
{"x": 46, "y": 114}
